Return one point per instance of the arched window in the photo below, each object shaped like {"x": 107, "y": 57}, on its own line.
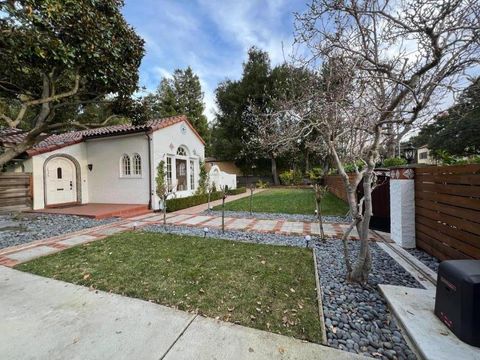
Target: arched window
{"x": 182, "y": 151}
{"x": 125, "y": 165}
{"x": 137, "y": 164}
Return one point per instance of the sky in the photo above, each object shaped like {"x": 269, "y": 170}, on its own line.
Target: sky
{"x": 210, "y": 36}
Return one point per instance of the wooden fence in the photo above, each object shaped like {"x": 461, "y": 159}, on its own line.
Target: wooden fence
{"x": 447, "y": 211}
{"x": 15, "y": 191}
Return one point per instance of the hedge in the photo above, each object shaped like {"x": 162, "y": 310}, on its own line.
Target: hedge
{"x": 194, "y": 200}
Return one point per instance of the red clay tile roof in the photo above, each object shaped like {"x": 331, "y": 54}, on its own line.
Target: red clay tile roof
{"x": 57, "y": 141}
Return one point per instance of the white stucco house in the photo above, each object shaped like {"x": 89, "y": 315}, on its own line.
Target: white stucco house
{"x": 114, "y": 164}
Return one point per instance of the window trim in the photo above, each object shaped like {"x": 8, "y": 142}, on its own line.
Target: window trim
{"x": 125, "y": 169}
{"x": 136, "y": 160}
{"x": 192, "y": 174}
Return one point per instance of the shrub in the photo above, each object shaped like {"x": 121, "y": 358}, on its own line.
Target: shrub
{"x": 237, "y": 191}
{"x": 203, "y": 179}
{"x": 394, "y": 161}
{"x": 286, "y": 177}
{"x": 350, "y": 167}
{"x": 198, "y": 199}
{"x": 262, "y": 185}
{"x": 316, "y": 175}
{"x": 291, "y": 177}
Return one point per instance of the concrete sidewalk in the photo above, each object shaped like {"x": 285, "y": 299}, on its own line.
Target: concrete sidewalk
{"x": 49, "y": 319}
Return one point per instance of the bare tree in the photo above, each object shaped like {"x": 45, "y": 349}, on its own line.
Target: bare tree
{"x": 383, "y": 64}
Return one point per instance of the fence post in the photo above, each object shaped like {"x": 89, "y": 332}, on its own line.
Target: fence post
{"x": 402, "y": 206}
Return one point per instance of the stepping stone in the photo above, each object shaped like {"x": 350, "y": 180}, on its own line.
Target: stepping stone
{"x": 265, "y": 225}
{"x": 178, "y": 218}
{"x": 327, "y": 229}
{"x": 110, "y": 231}
{"x": 75, "y": 240}
{"x": 239, "y": 224}
{"x": 196, "y": 220}
{"x": 155, "y": 218}
{"x": 32, "y": 253}
{"x": 143, "y": 217}
{"x": 292, "y": 227}
{"x": 218, "y": 222}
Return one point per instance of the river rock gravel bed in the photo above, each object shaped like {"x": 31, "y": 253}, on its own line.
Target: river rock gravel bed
{"x": 429, "y": 260}
{"x": 17, "y": 229}
{"x": 275, "y": 216}
{"x": 357, "y": 318}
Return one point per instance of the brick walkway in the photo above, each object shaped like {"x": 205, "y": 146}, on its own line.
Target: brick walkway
{"x": 22, "y": 253}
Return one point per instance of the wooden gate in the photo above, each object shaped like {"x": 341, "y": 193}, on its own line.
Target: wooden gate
{"x": 447, "y": 211}
{"x": 380, "y": 201}
{"x": 15, "y": 191}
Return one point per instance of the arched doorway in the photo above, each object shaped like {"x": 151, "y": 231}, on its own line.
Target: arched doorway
{"x": 60, "y": 176}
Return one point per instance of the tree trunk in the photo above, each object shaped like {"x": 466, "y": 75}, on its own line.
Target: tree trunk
{"x": 223, "y": 214}
{"x": 307, "y": 161}
{"x": 320, "y": 221}
{"x": 276, "y": 180}
{"x": 363, "y": 264}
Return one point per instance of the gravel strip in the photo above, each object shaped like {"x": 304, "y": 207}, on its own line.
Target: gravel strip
{"x": 277, "y": 216}
{"x": 429, "y": 260}
{"x": 357, "y": 318}
{"x": 26, "y": 227}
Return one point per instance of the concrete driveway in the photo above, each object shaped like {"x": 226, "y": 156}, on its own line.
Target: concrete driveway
{"x": 49, "y": 319}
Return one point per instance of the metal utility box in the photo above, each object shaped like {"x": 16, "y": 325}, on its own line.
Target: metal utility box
{"x": 457, "y": 303}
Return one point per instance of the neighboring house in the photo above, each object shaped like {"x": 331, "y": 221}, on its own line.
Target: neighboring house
{"x": 423, "y": 155}
{"x": 114, "y": 164}
{"x": 225, "y": 166}
{"x": 220, "y": 179}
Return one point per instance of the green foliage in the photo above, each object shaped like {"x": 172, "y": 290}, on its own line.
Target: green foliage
{"x": 181, "y": 94}
{"x": 394, "y": 161}
{"x": 350, "y": 167}
{"x": 194, "y": 200}
{"x": 237, "y": 191}
{"x": 262, "y": 185}
{"x": 193, "y": 273}
{"x": 203, "y": 179}
{"x": 288, "y": 201}
{"x": 291, "y": 177}
{"x": 455, "y": 132}
{"x": 161, "y": 180}
{"x": 39, "y": 39}
{"x": 445, "y": 158}
{"x": 316, "y": 175}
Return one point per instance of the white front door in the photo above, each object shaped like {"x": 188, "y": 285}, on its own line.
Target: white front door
{"x": 60, "y": 180}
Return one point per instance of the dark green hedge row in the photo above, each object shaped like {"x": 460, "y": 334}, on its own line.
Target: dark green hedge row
{"x": 194, "y": 200}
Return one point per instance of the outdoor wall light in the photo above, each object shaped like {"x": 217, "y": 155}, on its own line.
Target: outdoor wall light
{"x": 409, "y": 153}
{"x": 307, "y": 240}
{"x": 135, "y": 225}
{"x": 205, "y": 231}
{"x": 90, "y": 167}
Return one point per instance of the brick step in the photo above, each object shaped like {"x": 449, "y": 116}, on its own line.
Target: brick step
{"x": 136, "y": 211}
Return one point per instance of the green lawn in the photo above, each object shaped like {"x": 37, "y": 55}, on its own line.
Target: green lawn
{"x": 288, "y": 201}
{"x": 262, "y": 286}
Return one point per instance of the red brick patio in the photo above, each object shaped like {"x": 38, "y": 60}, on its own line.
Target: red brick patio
{"x": 99, "y": 211}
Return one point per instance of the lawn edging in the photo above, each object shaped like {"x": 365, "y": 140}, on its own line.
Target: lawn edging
{"x": 319, "y": 300}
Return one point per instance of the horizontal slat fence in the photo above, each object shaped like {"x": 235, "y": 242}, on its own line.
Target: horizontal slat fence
{"x": 447, "y": 211}
{"x": 15, "y": 191}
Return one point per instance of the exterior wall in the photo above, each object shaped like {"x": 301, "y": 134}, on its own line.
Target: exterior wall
{"x": 36, "y": 164}
{"x": 427, "y": 160}
{"x": 226, "y": 166}
{"x": 221, "y": 178}
{"x": 105, "y": 183}
{"x": 402, "y": 207}
{"x": 165, "y": 142}
{"x": 336, "y": 186}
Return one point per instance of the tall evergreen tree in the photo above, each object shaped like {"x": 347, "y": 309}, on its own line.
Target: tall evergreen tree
{"x": 181, "y": 94}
